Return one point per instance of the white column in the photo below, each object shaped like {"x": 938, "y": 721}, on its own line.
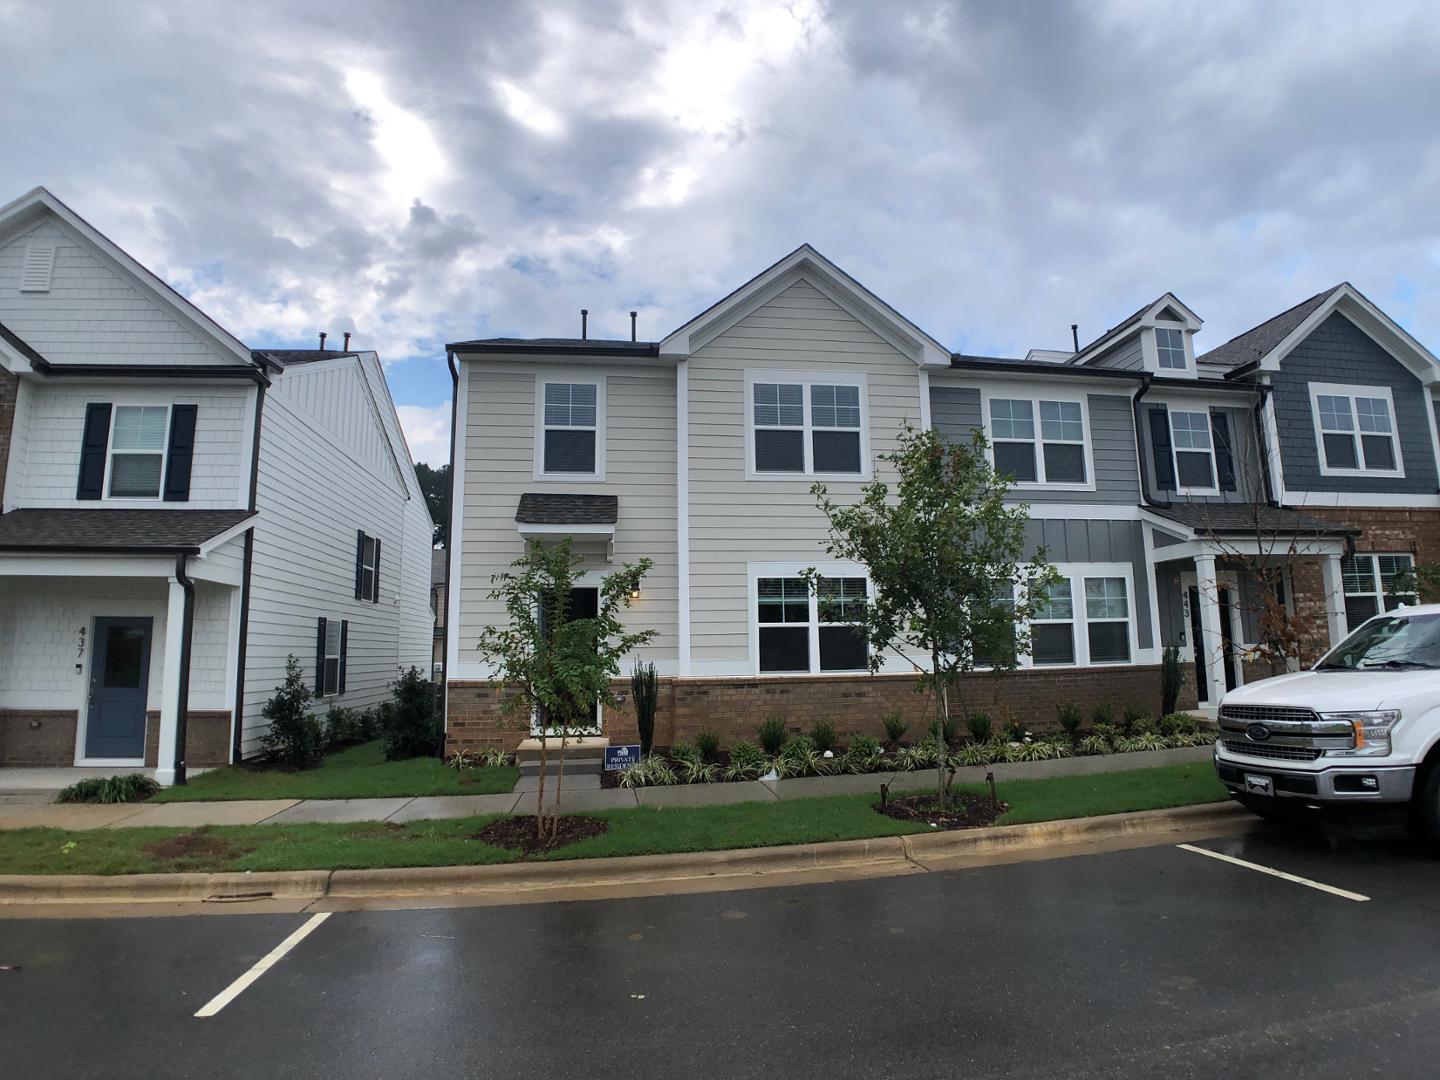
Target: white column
{"x": 1334, "y": 586}
{"x": 1209, "y": 650}
{"x": 170, "y": 684}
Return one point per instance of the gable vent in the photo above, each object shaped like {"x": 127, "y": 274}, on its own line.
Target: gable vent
{"x": 35, "y": 274}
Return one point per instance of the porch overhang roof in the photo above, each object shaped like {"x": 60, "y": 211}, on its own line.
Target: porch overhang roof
{"x": 120, "y": 532}
{"x": 1250, "y": 520}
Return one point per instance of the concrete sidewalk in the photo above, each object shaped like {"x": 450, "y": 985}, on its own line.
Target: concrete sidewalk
{"x": 579, "y": 799}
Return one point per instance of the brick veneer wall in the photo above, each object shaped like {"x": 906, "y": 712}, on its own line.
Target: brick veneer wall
{"x": 1390, "y": 530}
{"x": 9, "y": 386}
{"x": 207, "y": 738}
{"x": 51, "y": 741}
{"x": 732, "y": 707}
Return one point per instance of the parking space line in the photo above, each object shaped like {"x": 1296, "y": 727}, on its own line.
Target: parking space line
{"x": 264, "y": 964}
{"x": 1331, "y": 889}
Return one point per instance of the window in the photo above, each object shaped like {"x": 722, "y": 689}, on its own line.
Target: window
{"x": 1052, "y": 625}
{"x": 137, "y": 451}
{"x": 1194, "y": 450}
{"x": 1170, "y": 348}
{"x": 1061, "y": 452}
{"x": 1356, "y": 428}
{"x": 1107, "y": 620}
{"x": 1375, "y": 583}
{"x": 571, "y": 426}
{"x": 799, "y": 633}
{"x": 367, "y": 568}
{"x": 331, "y": 644}
{"x": 803, "y": 427}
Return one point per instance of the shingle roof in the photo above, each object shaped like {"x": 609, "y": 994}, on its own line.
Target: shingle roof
{"x": 20, "y": 345}
{"x": 291, "y": 357}
{"x": 546, "y": 509}
{"x": 159, "y": 531}
{"x": 439, "y": 569}
{"x": 1256, "y": 342}
{"x": 1253, "y": 519}
{"x": 1116, "y": 330}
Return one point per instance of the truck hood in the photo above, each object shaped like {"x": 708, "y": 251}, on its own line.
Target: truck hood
{"x": 1343, "y": 691}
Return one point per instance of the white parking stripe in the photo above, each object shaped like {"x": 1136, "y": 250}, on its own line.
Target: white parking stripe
{"x": 264, "y": 964}
{"x": 1331, "y": 889}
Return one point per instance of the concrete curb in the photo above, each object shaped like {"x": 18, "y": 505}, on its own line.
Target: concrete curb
{"x": 881, "y": 855}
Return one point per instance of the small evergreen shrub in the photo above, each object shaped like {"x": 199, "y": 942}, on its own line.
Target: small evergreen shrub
{"x": 644, "y": 691}
{"x": 771, "y": 734}
{"x": 1135, "y": 715}
{"x": 1103, "y": 715}
{"x": 294, "y": 738}
{"x": 1171, "y": 679}
{"x": 822, "y": 734}
{"x": 950, "y": 728}
{"x": 708, "y": 743}
{"x": 684, "y": 752}
{"x": 980, "y": 728}
{"x": 1070, "y": 718}
{"x": 895, "y": 726}
{"x": 346, "y": 727}
{"x": 132, "y": 787}
{"x": 410, "y": 720}
{"x": 747, "y": 761}
{"x": 1015, "y": 731}
{"x": 1177, "y": 724}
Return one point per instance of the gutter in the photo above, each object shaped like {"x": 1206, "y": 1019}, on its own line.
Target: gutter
{"x": 187, "y": 633}
{"x": 1259, "y": 413}
{"x": 237, "y": 711}
{"x": 1145, "y": 496}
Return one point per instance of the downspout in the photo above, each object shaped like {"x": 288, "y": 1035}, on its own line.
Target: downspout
{"x": 450, "y": 542}
{"x": 187, "y": 632}
{"x": 237, "y": 717}
{"x": 1264, "y": 389}
{"x": 1145, "y": 496}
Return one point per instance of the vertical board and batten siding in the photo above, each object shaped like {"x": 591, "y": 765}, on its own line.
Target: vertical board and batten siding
{"x": 639, "y": 454}
{"x": 734, "y": 520}
{"x": 955, "y": 413}
{"x": 315, "y": 491}
{"x": 1338, "y": 351}
{"x": 1095, "y": 541}
{"x": 1128, "y": 355}
{"x": 92, "y": 313}
{"x": 46, "y": 472}
{"x": 1245, "y": 452}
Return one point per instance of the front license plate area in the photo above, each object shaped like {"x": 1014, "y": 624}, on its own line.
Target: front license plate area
{"x": 1259, "y": 785}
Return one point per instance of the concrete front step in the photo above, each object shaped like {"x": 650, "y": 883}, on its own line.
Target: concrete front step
{"x": 591, "y": 748}
{"x": 584, "y": 767}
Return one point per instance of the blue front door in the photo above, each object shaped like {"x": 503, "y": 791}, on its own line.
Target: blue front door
{"x": 119, "y": 678}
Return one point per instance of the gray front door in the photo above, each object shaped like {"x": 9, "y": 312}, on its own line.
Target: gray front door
{"x": 119, "y": 677}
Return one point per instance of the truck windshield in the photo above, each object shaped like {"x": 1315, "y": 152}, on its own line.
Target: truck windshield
{"x": 1391, "y": 642}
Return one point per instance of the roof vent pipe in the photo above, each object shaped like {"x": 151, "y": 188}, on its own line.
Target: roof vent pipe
{"x": 1075, "y": 335}
{"x": 584, "y": 323}
{"x": 346, "y": 345}
{"x": 632, "y": 324}
{"x": 323, "y": 335}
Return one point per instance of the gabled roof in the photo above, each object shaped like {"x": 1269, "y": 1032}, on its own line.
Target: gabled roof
{"x": 1256, "y": 342}
{"x": 1154, "y": 309}
{"x": 805, "y": 263}
{"x": 292, "y": 357}
{"x": 158, "y": 532}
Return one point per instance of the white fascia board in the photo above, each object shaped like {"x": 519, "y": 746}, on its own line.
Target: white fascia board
{"x": 208, "y": 546}
{"x": 1091, "y": 380}
{"x": 13, "y": 360}
{"x": 99, "y": 565}
{"x": 1331, "y": 500}
{"x": 1370, "y": 319}
{"x": 529, "y": 529}
{"x": 1190, "y": 320}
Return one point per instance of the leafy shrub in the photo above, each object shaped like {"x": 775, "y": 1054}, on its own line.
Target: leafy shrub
{"x": 1109, "y": 732}
{"x": 920, "y": 756}
{"x": 1094, "y": 744}
{"x": 494, "y": 758}
{"x": 1070, "y": 719}
{"x": 652, "y": 771}
{"x": 895, "y": 727}
{"x": 977, "y": 753}
{"x": 1131, "y": 744}
{"x": 1171, "y": 679}
{"x": 695, "y": 771}
{"x": 864, "y": 754}
{"x": 1143, "y": 725}
{"x": 294, "y": 738}
{"x": 1015, "y": 731}
{"x": 747, "y": 761}
{"x": 1134, "y": 715}
{"x": 822, "y": 734}
{"x": 980, "y": 727}
{"x": 1103, "y": 715}
{"x": 797, "y": 746}
{"x": 950, "y": 728}
{"x": 1176, "y": 724}
{"x": 461, "y": 760}
{"x": 1037, "y": 751}
{"x": 771, "y": 734}
{"x": 683, "y": 752}
{"x": 410, "y": 720}
{"x": 708, "y": 743}
{"x": 645, "y": 693}
{"x": 132, "y": 787}
{"x": 343, "y": 727}
{"x": 800, "y": 758}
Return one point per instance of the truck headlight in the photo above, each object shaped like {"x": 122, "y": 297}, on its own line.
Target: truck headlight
{"x": 1372, "y": 731}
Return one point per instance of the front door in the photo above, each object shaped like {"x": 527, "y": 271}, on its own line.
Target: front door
{"x": 119, "y": 678}
{"x": 1225, "y": 597}
{"x": 585, "y": 719}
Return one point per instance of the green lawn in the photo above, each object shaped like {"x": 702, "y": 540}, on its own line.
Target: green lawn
{"x": 360, "y": 772}
{"x": 643, "y": 831}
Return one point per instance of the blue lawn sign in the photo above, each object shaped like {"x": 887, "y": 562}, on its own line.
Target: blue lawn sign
{"x": 617, "y": 757}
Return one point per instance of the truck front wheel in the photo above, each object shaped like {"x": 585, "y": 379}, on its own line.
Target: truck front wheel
{"x": 1423, "y": 821}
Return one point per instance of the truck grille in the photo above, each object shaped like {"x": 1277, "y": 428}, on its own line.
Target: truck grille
{"x": 1267, "y": 750}
{"x": 1259, "y": 714}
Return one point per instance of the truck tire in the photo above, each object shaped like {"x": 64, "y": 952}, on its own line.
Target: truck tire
{"x": 1423, "y": 821}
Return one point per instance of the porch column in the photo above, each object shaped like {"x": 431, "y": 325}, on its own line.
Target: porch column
{"x": 170, "y": 683}
{"x": 1210, "y": 649}
{"x": 1334, "y": 587}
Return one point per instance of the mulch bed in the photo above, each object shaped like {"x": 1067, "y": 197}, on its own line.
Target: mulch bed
{"x": 967, "y": 811}
{"x": 518, "y": 833}
{"x": 192, "y": 848}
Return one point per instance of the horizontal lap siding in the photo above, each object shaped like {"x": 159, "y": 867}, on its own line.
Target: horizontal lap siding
{"x": 499, "y": 453}
{"x": 1245, "y": 454}
{"x": 734, "y": 520}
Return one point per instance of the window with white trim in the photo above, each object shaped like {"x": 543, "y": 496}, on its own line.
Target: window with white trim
{"x": 138, "y": 436}
{"x": 1057, "y": 456}
{"x": 1107, "y": 620}
{"x": 799, "y": 427}
{"x": 571, "y": 427}
{"x": 1376, "y": 583}
{"x": 1356, "y": 430}
{"x": 799, "y": 632}
{"x": 332, "y": 658}
{"x": 1052, "y": 625}
{"x": 1194, "y": 449}
{"x": 1170, "y": 348}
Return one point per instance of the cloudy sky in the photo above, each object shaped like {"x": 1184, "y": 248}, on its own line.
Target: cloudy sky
{"x": 427, "y": 172}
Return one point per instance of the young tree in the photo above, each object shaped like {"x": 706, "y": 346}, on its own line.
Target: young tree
{"x": 556, "y": 667}
{"x": 946, "y": 557}
{"x": 435, "y": 484}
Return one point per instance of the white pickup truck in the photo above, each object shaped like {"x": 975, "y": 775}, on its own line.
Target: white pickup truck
{"x": 1361, "y": 728}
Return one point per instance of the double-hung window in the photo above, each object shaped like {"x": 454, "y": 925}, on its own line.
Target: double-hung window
{"x": 571, "y": 424}
{"x": 138, "y": 437}
{"x": 1107, "y": 620}
{"x": 1356, "y": 427}
{"x": 332, "y": 642}
{"x": 1376, "y": 583}
{"x": 1057, "y": 456}
{"x": 801, "y": 633}
{"x": 367, "y": 567}
{"x": 1194, "y": 451}
{"x": 1052, "y": 625}
{"x": 806, "y": 428}
{"x": 1170, "y": 348}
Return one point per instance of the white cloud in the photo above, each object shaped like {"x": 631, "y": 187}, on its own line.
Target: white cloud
{"x": 427, "y": 431}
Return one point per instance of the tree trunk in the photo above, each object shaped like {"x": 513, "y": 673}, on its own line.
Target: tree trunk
{"x": 559, "y": 783}
{"x": 540, "y": 795}
{"x": 942, "y": 715}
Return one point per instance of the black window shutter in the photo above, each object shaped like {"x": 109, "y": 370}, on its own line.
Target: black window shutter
{"x": 344, "y": 651}
{"x": 359, "y": 563}
{"x": 320, "y": 658}
{"x": 1224, "y": 459}
{"x": 375, "y": 596}
{"x": 1160, "y": 449}
{"x": 182, "y": 453}
{"x": 92, "y": 451}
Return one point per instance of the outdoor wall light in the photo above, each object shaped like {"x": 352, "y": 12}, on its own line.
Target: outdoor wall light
{"x": 635, "y": 593}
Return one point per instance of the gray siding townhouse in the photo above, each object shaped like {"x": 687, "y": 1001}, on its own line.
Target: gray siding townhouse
{"x": 1158, "y": 481}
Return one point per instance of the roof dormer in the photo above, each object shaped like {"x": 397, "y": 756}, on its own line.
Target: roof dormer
{"x": 1167, "y": 338}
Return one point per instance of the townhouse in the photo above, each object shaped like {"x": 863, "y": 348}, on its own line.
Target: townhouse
{"x": 1171, "y": 489}
{"x": 182, "y": 513}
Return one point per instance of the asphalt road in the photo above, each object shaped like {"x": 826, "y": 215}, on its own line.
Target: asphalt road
{"x": 1149, "y": 962}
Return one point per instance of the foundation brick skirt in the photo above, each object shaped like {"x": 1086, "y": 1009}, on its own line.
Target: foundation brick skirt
{"x": 733, "y": 707}
{"x": 46, "y": 737}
